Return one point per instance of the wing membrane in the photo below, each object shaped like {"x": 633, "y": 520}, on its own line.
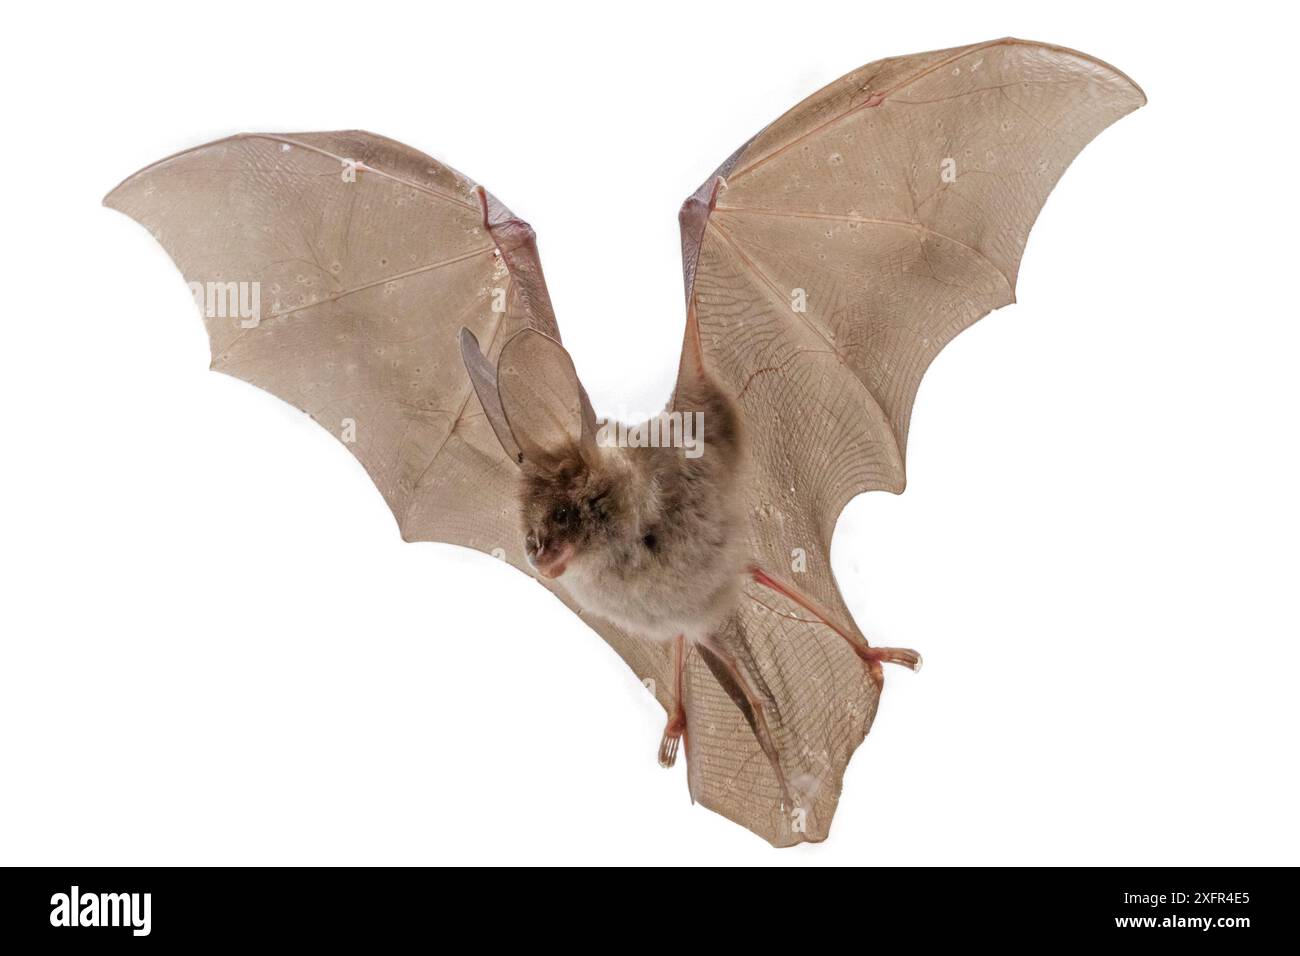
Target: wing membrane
{"x": 826, "y": 263}
{"x": 366, "y": 257}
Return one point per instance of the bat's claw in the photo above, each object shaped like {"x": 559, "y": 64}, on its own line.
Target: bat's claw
{"x": 673, "y": 734}
{"x": 873, "y": 657}
{"x": 892, "y": 655}
{"x": 676, "y": 728}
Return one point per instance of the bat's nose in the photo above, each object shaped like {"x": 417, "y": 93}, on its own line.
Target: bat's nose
{"x": 550, "y": 560}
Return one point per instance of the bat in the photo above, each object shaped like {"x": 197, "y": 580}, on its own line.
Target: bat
{"x": 826, "y": 263}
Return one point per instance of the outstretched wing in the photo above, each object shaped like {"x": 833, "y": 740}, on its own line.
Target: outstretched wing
{"x": 335, "y": 270}
{"x": 826, "y": 263}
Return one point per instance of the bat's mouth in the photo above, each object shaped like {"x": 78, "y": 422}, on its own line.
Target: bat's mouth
{"x": 551, "y": 560}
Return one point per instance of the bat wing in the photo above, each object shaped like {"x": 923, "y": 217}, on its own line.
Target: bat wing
{"x": 362, "y": 259}
{"x": 826, "y": 263}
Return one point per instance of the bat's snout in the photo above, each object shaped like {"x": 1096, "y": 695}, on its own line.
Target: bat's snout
{"x": 549, "y": 559}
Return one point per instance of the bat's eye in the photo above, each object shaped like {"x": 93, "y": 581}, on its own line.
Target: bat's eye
{"x": 561, "y": 515}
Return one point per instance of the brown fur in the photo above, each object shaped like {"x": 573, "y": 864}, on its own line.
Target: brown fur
{"x": 656, "y": 534}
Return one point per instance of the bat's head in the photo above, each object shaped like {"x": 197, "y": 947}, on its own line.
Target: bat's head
{"x": 570, "y": 496}
{"x": 571, "y": 510}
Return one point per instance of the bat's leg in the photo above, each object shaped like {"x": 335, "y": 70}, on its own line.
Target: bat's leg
{"x": 676, "y": 728}
{"x": 753, "y": 701}
{"x": 872, "y": 656}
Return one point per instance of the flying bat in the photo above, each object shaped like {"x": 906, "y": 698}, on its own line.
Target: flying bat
{"x": 826, "y": 262}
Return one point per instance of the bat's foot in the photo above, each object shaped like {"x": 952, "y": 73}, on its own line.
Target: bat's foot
{"x": 673, "y": 734}
{"x": 677, "y": 721}
{"x": 873, "y": 657}
{"x": 891, "y": 655}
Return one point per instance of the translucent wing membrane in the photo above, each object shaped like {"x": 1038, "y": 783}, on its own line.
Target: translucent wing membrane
{"x": 365, "y": 257}
{"x": 827, "y": 262}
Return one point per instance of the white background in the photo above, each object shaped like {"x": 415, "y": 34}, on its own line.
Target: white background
{"x": 216, "y": 648}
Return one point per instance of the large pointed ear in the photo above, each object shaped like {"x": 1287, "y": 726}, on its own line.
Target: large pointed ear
{"x": 545, "y": 406}
{"x": 484, "y": 379}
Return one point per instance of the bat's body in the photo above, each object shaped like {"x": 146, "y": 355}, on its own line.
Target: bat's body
{"x": 650, "y": 538}
{"x": 826, "y": 263}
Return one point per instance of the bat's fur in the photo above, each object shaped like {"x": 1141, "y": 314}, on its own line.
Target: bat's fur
{"x": 656, "y": 535}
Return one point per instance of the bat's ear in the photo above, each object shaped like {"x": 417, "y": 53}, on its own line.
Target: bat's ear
{"x": 484, "y": 379}
{"x": 546, "y": 406}
{"x": 538, "y": 408}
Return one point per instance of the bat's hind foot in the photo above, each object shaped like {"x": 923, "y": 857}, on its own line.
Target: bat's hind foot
{"x": 890, "y": 655}
{"x": 873, "y": 657}
{"x": 673, "y": 734}
{"x": 676, "y": 728}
